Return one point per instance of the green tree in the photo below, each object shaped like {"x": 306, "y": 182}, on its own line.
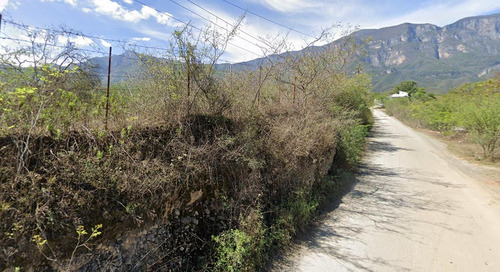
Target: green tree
{"x": 406, "y": 86}
{"x": 35, "y": 84}
{"x": 481, "y": 117}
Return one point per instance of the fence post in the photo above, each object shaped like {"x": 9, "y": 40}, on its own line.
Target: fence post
{"x": 231, "y": 76}
{"x": 188, "y": 77}
{"x": 107, "y": 90}
{"x": 260, "y": 85}
{"x": 278, "y": 78}
{"x": 294, "y": 86}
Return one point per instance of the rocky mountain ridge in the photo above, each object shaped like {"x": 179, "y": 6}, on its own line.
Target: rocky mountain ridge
{"x": 473, "y": 34}
{"x": 438, "y": 58}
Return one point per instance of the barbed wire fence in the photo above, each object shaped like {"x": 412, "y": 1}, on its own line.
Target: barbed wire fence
{"x": 67, "y": 39}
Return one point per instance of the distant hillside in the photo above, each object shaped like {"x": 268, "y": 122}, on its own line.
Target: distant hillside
{"x": 122, "y": 66}
{"x": 438, "y": 58}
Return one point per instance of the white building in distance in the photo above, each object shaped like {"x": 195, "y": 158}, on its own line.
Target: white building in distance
{"x": 400, "y": 94}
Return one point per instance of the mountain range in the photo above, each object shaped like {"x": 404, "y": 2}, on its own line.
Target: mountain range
{"x": 438, "y": 58}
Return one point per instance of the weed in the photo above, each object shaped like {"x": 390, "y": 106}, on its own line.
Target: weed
{"x": 351, "y": 145}
{"x": 83, "y": 240}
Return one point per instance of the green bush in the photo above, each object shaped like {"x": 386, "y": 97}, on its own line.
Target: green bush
{"x": 472, "y": 108}
{"x": 351, "y": 145}
{"x": 242, "y": 249}
{"x": 481, "y": 117}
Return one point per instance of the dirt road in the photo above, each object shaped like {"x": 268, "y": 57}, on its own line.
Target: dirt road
{"x": 414, "y": 208}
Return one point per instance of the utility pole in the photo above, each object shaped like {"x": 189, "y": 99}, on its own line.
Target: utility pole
{"x": 0, "y": 22}
{"x": 107, "y": 90}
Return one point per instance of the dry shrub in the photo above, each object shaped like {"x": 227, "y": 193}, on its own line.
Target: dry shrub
{"x": 248, "y": 151}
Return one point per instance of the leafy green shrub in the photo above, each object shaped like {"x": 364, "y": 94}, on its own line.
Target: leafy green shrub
{"x": 242, "y": 249}
{"x": 481, "y": 117}
{"x": 351, "y": 145}
{"x": 472, "y": 108}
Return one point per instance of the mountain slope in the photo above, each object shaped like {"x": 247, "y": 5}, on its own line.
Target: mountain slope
{"x": 438, "y": 58}
{"x": 123, "y": 67}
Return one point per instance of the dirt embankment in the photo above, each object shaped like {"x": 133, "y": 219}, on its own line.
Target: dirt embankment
{"x": 161, "y": 194}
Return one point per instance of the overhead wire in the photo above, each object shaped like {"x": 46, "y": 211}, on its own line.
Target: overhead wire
{"x": 79, "y": 34}
{"x": 5, "y": 36}
{"x": 225, "y": 21}
{"x": 193, "y": 26}
{"x": 52, "y": 45}
{"x": 269, "y": 20}
{"x": 208, "y": 20}
{"x": 67, "y": 32}
{"x": 72, "y": 33}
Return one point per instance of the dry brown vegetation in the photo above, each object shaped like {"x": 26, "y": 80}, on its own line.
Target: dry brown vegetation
{"x": 216, "y": 176}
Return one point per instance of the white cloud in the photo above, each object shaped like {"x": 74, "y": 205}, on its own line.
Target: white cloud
{"x": 78, "y": 41}
{"x": 3, "y": 4}
{"x": 143, "y": 39}
{"x": 238, "y": 48}
{"x": 86, "y": 10}
{"x": 42, "y": 37}
{"x": 14, "y": 5}
{"x": 289, "y": 5}
{"x": 117, "y": 11}
{"x": 252, "y": 38}
{"x": 161, "y": 35}
{"x": 446, "y": 13}
{"x": 128, "y": 2}
{"x": 310, "y": 15}
{"x": 105, "y": 43}
{"x": 71, "y": 2}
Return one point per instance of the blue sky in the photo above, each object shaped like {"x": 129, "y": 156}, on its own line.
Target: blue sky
{"x": 152, "y": 25}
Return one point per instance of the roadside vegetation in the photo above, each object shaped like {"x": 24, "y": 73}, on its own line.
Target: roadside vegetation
{"x": 470, "y": 113}
{"x": 197, "y": 169}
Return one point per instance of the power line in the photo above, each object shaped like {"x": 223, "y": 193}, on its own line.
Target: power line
{"x": 208, "y": 20}
{"x": 52, "y": 45}
{"x": 168, "y": 14}
{"x": 79, "y": 49}
{"x": 69, "y": 33}
{"x": 242, "y": 31}
{"x": 72, "y": 33}
{"x": 193, "y": 26}
{"x": 79, "y": 34}
{"x": 7, "y": 37}
{"x": 269, "y": 20}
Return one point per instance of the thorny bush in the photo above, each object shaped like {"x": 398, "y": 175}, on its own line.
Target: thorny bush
{"x": 235, "y": 156}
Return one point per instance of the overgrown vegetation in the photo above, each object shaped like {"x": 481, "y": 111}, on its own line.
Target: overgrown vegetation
{"x": 228, "y": 166}
{"x": 471, "y": 110}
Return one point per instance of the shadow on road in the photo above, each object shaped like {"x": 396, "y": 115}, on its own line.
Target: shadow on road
{"x": 381, "y": 146}
{"x": 378, "y": 198}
